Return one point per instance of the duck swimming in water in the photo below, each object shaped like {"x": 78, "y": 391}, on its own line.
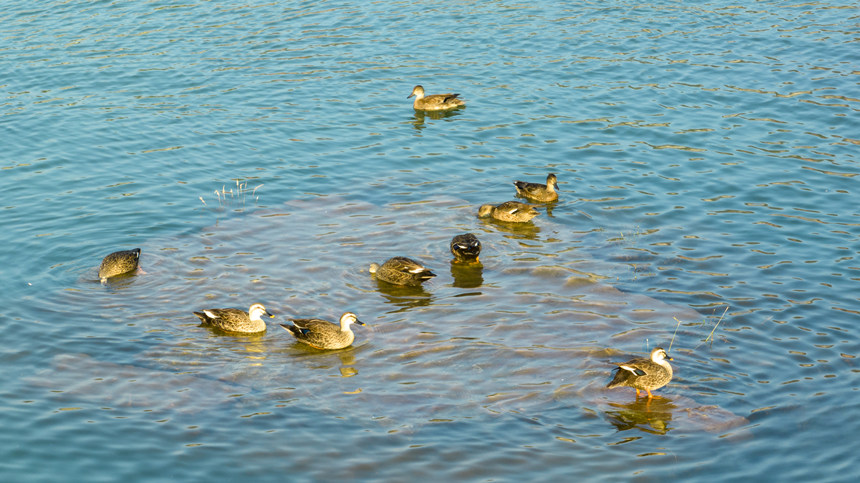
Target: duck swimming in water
{"x": 401, "y": 271}
{"x": 322, "y": 334}
{"x": 235, "y": 320}
{"x": 118, "y": 263}
{"x": 539, "y": 192}
{"x": 434, "y": 102}
{"x": 465, "y": 247}
{"x": 512, "y": 211}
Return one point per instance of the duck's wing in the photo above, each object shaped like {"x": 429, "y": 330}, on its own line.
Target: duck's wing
{"x": 219, "y": 317}
{"x": 524, "y": 187}
{"x": 441, "y": 99}
{"x": 514, "y": 207}
{"x": 633, "y": 370}
{"x": 311, "y": 325}
{"x": 628, "y": 372}
{"x": 314, "y": 332}
{"x": 411, "y": 267}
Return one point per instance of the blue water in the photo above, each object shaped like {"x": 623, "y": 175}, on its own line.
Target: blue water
{"x": 707, "y": 162}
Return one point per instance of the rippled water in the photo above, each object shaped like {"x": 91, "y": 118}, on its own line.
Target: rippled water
{"x": 706, "y": 157}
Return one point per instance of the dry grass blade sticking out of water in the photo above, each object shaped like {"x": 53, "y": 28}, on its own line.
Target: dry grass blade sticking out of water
{"x": 716, "y": 325}
{"x": 708, "y": 338}
{"x": 229, "y": 197}
{"x": 674, "y": 333}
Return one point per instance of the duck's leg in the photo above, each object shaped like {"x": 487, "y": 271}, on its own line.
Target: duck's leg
{"x": 651, "y": 396}
{"x": 637, "y": 392}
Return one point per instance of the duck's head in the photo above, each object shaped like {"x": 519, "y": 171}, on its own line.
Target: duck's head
{"x": 659, "y": 354}
{"x": 466, "y": 245}
{"x": 485, "y": 210}
{"x": 417, "y": 91}
{"x": 257, "y": 311}
{"x": 551, "y": 180}
{"x": 348, "y": 319}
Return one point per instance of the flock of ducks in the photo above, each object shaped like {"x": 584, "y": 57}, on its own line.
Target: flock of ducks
{"x": 640, "y": 374}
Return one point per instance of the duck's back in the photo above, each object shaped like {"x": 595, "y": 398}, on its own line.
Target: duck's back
{"x": 118, "y": 263}
{"x": 320, "y": 334}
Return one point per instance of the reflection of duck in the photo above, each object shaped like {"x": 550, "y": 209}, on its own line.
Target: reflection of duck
{"x": 467, "y": 275}
{"x": 235, "y": 320}
{"x": 118, "y": 263}
{"x": 644, "y": 414}
{"x": 528, "y": 231}
{"x": 405, "y": 296}
{"x": 465, "y": 247}
{"x": 537, "y": 191}
{"x": 645, "y": 374}
{"x": 434, "y": 102}
{"x": 401, "y": 271}
{"x": 510, "y": 211}
{"x": 322, "y": 334}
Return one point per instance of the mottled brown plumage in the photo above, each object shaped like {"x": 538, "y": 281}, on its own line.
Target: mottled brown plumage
{"x": 512, "y": 211}
{"x": 539, "y": 192}
{"x": 645, "y": 374}
{"x": 434, "y": 102}
{"x": 401, "y": 271}
{"x": 465, "y": 247}
{"x": 118, "y": 263}
{"x": 235, "y": 320}
{"x": 322, "y": 334}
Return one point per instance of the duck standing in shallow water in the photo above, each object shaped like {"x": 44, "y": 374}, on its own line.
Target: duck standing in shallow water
{"x": 401, "y": 271}
{"x": 512, "y": 211}
{"x": 434, "y": 102}
{"x": 465, "y": 248}
{"x": 645, "y": 374}
{"x": 235, "y": 320}
{"x": 118, "y": 263}
{"x": 322, "y": 334}
{"x": 539, "y": 192}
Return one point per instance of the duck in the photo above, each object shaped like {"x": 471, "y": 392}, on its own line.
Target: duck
{"x": 645, "y": 374}
{"x": 118, "y": 263}
{"x": 465, "y": 247}
{"x": 512, "y": 211}
{"x": 434, "y": 102}
{"x": 401, "y": 271}
{"x": 236, "y": 320}
{"x": 322, "y": 334}
{"x": 539, "y": 192}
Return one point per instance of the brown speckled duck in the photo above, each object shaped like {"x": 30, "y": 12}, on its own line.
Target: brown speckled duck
{"x": 465, "y": 247}
{"x": 235, "y": 320}
{"x": 401, "y": 271}
{"x": 434, "y": 102}
{"x": 322, "y": 334}
{"x": 645, "y": 374}
{"x": 539, "y": 192}
{"x": 118, "y": 263}
{"x": 512, "y": 211}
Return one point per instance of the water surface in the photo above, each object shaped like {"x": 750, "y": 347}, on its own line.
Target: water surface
{"x": 706, "y": 157}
